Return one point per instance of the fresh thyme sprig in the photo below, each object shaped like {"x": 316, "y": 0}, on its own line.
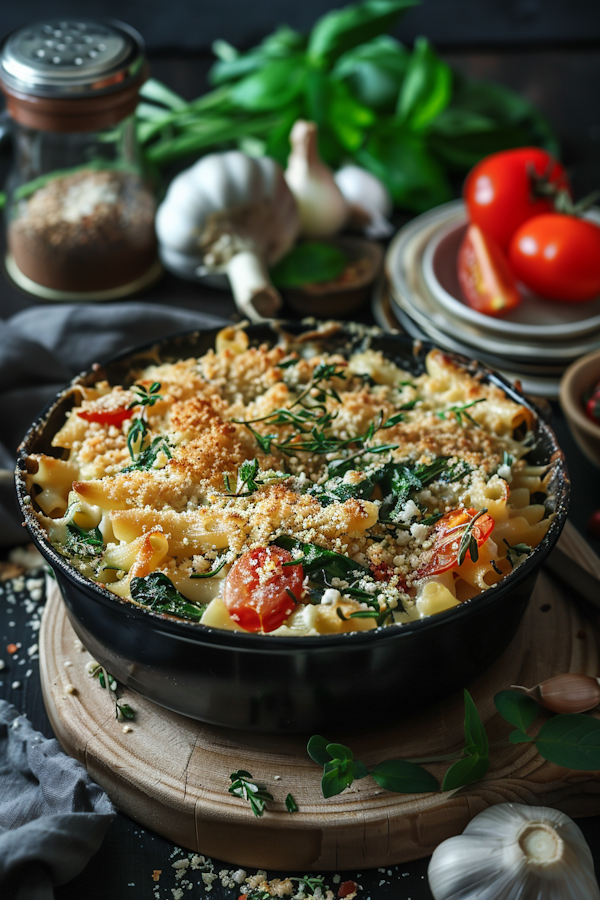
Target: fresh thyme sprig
{"x": 254, "y": 794}
{"x": 122, "y": 710}
{"x": 138, "y": 429}
{"x": 468, "y": 541}
{"x": 460, "y": 412}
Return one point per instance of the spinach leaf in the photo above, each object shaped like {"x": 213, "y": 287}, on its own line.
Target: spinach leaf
{"x": 84, "y": 544}
{"x": 315, "y": 559}
{"x": 159, "y": 594}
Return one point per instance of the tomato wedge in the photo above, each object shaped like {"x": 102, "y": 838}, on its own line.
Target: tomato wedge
{"x": 106, "y": 416}
{"x": 259, "y": 590}
{"x": 484, "y": 275}
{"x": 447, "y": 538}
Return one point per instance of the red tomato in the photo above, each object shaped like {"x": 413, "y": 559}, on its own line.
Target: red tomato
{"x": 347, "y": 887}
{"x": 105, "y": 416}
{"x": 446, "y": 542}
{"x": 256, "y": 589}
{"x": 485, "y": 278}
{"x": 558, "y": 257}
{"x": 499, "y": 191}
{"x": 592, "y": 405}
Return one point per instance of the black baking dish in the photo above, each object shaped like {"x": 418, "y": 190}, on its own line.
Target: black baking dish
{"x": 291, "y": 684}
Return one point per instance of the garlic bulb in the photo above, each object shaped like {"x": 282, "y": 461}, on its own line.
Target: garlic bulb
{"x": 323, "y": 210}
{"x": 369, "y": 200}
{"x": 230, "y": 213}
{"x": 515, "y": 852}
{"x": 568, "y": 693}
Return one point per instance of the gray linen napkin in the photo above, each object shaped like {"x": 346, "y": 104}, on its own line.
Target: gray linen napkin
{"x": 42, "y": 348}
{"x": 52, "y": 815}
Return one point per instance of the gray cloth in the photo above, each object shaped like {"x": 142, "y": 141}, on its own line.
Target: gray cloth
{"x": 42, "y": 348}
{"x": 52, "y": 815}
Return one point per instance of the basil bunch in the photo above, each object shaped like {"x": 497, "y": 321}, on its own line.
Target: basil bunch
{"x": 404, "y": 115}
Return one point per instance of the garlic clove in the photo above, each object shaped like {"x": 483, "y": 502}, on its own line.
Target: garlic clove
{"x": 254, "y": 294}
{"x": 322, "y": 207}
{"x": 567, "y": 693}
{"x": 369, "y": 200}
{"x": 515, "y": 852}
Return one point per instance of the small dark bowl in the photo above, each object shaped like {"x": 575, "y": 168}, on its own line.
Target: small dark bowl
{"x": 291, "y": 684}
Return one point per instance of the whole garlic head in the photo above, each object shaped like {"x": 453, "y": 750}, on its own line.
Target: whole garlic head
{"x": 231, "y": 213}
{"x": 515, "y": 852}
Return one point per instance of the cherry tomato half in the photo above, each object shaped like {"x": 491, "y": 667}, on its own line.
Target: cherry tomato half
{"x": 499, "y": 193}
{"x": 484, "y": 275}
{"x": 558, "y": 257}
{"x": 259, "y": 590}
{"x": 105, "y": 416}
{"x": 592, "y": 404}
{"x": 447, "y": 537}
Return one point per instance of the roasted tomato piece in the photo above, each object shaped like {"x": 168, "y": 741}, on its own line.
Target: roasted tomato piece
{"x": 346, "y": 888}
{"x": 484, "y": 275}
{"x": 106, "y": 416}
{"x": 447, "y": 538}
{"x": 260, "y": 592}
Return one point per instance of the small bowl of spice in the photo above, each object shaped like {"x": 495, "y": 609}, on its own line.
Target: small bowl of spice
{"x": 330, "y": 278}
{"x": 580, "y": 402}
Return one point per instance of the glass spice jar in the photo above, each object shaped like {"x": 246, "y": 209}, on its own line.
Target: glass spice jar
{"x": 79, "y": 211}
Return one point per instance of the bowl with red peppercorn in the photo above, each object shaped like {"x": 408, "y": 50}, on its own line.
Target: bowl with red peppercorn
{"x": 580, "y": 402}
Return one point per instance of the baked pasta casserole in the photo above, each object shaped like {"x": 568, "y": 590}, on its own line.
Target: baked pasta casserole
{"x": 299, "y": 489}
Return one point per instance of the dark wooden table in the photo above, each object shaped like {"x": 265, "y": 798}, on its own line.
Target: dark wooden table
{"x": 559, "y": 81}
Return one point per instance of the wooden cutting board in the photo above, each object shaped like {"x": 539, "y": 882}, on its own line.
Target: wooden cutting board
{"x": 171, "y": 773}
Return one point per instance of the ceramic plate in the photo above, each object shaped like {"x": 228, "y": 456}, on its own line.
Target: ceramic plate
{"x": 535, "y": 318}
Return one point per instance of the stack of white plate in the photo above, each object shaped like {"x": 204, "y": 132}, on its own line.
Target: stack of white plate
{"x": 533, "y": 344}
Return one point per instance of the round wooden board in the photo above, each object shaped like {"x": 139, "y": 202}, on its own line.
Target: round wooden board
{"x": 171, "y": 773}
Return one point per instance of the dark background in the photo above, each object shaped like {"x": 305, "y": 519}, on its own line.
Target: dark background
{"x": 548, "y": 50}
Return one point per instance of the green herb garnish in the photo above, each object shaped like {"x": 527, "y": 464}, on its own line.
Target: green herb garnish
{"x": 146, "y": 459}
{"x": 105, "y": 680}
{"x": 290, "y": 804}
{"x": 460, "y": 412}
{"x": 514, "y": 550}
{"x": 158, "y": 593}
{"x": 254, "y": 794}
{"x": 83, "y": 544}
{"x": 468, "y": 542}
{"x": 211, "y": 572}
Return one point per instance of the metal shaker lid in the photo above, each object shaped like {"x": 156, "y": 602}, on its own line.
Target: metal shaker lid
{"x": 71, "y": 58}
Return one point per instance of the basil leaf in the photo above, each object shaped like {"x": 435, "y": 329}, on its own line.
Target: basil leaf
{"x": 426, "y": 89}
{"x": 337, "y": 776}
{"x": 475, "y": 734}
{"x": 339, "y": 751}
{"x": 518, "y": 709}
{"x": 572, "y": 741}
{"x": 159, "y": 594}
{"x": 403, "y": 161}
{"x": 359, "y": 770}
{"x": 271, "y": 87}
{"x": 403, "y": 777}
{"x": 309, "y": 263}
{"x": 347, "y": 118}
{"x": 519, "y": 737}
{"x": 465, "y": 771}
{"x": 374, "y": 71}
{"x": 317, "y": 749}
{"x": 339, "y": 30}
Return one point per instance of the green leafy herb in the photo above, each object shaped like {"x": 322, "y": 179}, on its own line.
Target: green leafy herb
{"x": 83, "y": 544}
{"x": 403, "y": 777}
{"x": 146, "y": 459}
{"x": 159, "y": 594}
{"x": 507, "y": 458}
{"x": 468, "y": 542}
{"x": 211, "y": 572}
{"x": 288, "y": 363}
{"x": 136, "y": 436}
{"x": 290, "y": 804}
{"x": 572, "y": 741}
{"x": 316, "y": 559}
{"x": 460, "y": 412}
{"x": 310, "y": 884}
{"x": 145, "y": 396}
{"x": 519, "y": 710}
{"x": 106, "y": 681}
{"x": 515, "y": 550}
{"x": 476, "y": 759}
{"x": 254, "y": 794}
{"x": 309, "y": 263}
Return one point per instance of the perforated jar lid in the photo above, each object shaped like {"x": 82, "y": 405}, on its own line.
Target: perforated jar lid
{"x": 54, "y": 66}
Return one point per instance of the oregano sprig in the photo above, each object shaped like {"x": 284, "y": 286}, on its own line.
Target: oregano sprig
{"x": 255, "y": 794}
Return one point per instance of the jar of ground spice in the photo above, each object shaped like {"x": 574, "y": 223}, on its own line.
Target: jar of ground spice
{"x": 79, "y": 212}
